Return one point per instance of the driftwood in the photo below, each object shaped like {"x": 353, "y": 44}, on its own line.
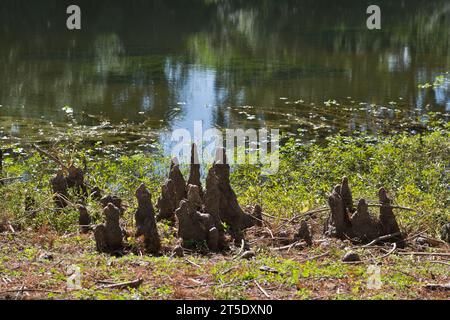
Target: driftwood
{"x": 359, "y": 225}
{"x": 146, "y": 222}
{"x": 109, "y": 236}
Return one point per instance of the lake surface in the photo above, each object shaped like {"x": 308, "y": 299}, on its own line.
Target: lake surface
{"x": 308, "y": 66}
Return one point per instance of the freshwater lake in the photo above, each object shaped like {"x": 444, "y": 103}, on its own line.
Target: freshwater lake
{"x": 308, "y": 67}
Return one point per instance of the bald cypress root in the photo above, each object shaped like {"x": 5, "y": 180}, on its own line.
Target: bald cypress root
{"x": 346, "y": 222}
{"x": 146, "y": 222}
{"x": 109, "y": 236}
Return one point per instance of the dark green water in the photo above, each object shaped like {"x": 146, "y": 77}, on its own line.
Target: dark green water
{"x": 164, "y": 64}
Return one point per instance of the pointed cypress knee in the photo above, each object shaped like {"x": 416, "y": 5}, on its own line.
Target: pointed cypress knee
{"x": 445, "y": 233}
{"x": 146, "y": 222}
{"x": 388, "y": 222}
{"x": 84, "y": 219}
{"x": 346, "y": 195}
{"x": 196, "y": 228}
{"x": 59, "y": 187}
{"x": 229, "y": 210}
{"x": 304, "y": 233}
{"x": 109, "y": 236}
{"x": 115, "y": 200}
{"x": 364, "y": 227}
{"x": 75, "y": 180}
{"x": 173, "y": 191}
{"x": 194, "y": 173}
{"x": 257, "y": 215}
{"x": 338, "y": 222}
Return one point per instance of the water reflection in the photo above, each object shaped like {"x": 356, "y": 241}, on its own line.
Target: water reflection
{"x": 169, "y": 63}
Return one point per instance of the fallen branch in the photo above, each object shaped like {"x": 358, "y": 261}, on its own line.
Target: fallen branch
{"x": 271, "y": 233}
{"x": 7, "y": 180}
{"x": 394, "y": 247}
{"x": 193, "y": 263}
{"x": 52, "y": 157}
{"x": 268, "y": 269}
{"x": 295, "y": 244}
{"x": 229, "y": 270}
{"x": 241, "y": 250}
{"x": 391, "y": 206}
{"x": 307, "y": 213}
{"x": 30, "y": 290}
{"x": 315, "y": 257}
{"x": 382, "y": 238}
{"x": 325, "y": 209}
{"x": 269, "y": 216}
{"x": 443, "y": 287}
{"x": 261, "y": 289}
{"x": 440, "y": 262}
{"x": 438, "y": 254}
{"x": 11, "y": 228}
{"x": 130, "y": 284}
{"x": 433, "y": 242}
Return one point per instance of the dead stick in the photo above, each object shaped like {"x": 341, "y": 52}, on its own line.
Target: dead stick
{"x": 394, "y": 247}
{"x": 229, "y": 270}
{"x": 30, "y": 290}
{"x": 193, "y": 263}
{"x": 6, "y": 180}
{"x": 301, "y": 215}
{"x": 440, "y": 262}
{"x": 315, "y": 257}
{"x": 390, "y": 206}
{"x": 295, "y": 244}
{"x": 445, "y": 287}
{"x": 123, "y": 285}
{"x": 262, "y": 290}
{"x": 382, "y": 238}
{"x": 241, "y": 250}
{"x": 52, "y": 157}
{"x": 437, "y": 254}
{"x": 324, "y": 209}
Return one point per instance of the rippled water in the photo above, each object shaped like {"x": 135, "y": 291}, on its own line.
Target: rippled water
{"x": 309, "y": 66}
